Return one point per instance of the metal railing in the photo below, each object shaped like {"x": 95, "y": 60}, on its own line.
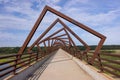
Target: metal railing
{"x": 105, "y": 62}
{"x": 14, "y": 63}
{"x": 108, "y": 63}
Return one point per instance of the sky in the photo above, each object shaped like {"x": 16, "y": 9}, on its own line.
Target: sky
{"x": 17, "y": 18}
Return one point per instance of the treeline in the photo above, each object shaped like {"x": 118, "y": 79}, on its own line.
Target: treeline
{"x": 105, "y": 47}
{"x": 9, "y": 50}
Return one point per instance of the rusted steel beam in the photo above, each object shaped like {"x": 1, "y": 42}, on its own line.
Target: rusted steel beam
{"x": 45, "y": 47}
{"x": 75, "y": 35}
{"x": 48, "y": 38}
{"x": 52, "y": 42}
{"x": 74, "y": 22}
{"x": 44, "y": 44}
{"x": 102, "y": 37}
{"x": 56, "y": 38}
{"x": 65, "y": 45}
{"x": 52, "y": 35}
{"x": 60, "y": 40}
{"x": 62, "y": 35}
{"x": 38, "y": 47}
{"x": 70, "y": 39}
{"x": 48, "y": 43}
{"x": 43, "y": 34}
{"x": 58, "y": 43}
{"x": 64, "y": 38}
{"x": 51, "y": 38}
{"x": 32, "y": 31}
{"x": 47, "y": 8}
{"x": 97, "y": 49}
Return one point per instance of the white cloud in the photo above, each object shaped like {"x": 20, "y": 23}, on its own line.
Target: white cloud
{"x": 102, "y": 22}
{"x": 72, "y": 3}
{"x": 74, "y": 8}
{"x": 112, "y": 35}
{"x": 94, "y": 19}
{"x": 52, "y": 3}
{"x": 11, "y": 39}
{"x": 29, "y": 15}
{"x": 13, "y": 22}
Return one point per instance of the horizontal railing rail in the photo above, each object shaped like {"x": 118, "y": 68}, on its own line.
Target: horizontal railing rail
{"x": 17, "y": 62}
{"x": 110, "y": 63}
{"x": 106, "y": 62}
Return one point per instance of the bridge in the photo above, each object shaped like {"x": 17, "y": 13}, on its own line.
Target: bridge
{"x": 57, "y": 56}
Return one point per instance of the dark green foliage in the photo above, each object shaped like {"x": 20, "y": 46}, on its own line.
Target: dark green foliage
{"x": 108, "y": 51}
{"x": 9, "y": 50}
{"x": 81, "y": 47}
{"x": 111, "y": 47}
{"x": 34, "y": 49}
{"x": 105, "y": 47}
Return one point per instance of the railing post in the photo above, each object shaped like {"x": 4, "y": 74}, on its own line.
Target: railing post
{"x": 100, "y": 63}
{"x": 86, "y": 56}
{"x": 37, "y": 57}
{"x": 30, "y": 59}
{"x": 79, "y": 55}
{"x": 16, "y": 61}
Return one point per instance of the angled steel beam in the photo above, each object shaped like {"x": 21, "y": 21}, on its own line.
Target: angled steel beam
{"x": 75, "y": 35}
{"x": 64, "y": 27}
{"x": 67, "y": 35}
{"x": 45, "y": 46}
{"x": 58, "y": 43}
{"x": 64, "y": 38}
{"x": 47, "y": 8}
{"x": 52, "y": 34}
{"x": 48, "y": 43}
{"x": 74, "y": 22}
{"x": 43, "y": 34}
{"x": 70, "y": 39}
{"x": 62, "y": 35}
{"x": 32, "y": 31}
{"x": 50, "y": 38}
{"x": 56, "y": 38}
{"x": 52, "y": 42}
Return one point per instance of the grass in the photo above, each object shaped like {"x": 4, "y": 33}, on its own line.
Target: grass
{"x": 109, "y": 58}
{"x": 96, "y": 64}
{"x": 108, "y": 51}
{"x": 11, "y": 58}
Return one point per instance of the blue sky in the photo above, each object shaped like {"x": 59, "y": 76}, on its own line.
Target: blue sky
{"x": 17, "y": 18}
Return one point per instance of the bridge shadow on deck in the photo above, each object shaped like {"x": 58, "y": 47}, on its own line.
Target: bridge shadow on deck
{"x": 41, "y": 69}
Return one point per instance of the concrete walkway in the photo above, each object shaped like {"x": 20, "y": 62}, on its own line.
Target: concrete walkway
{"x": 62, "y": 67}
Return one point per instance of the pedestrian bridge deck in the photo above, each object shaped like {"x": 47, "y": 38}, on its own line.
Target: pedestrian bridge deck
{"x": 61, "y": 66}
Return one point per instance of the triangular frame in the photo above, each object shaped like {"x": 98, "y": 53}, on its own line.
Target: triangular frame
{"x": 47, "y": 8}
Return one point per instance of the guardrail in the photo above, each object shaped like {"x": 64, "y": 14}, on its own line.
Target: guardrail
{"x": 108, "y": 63}
{"x": 15, "y": 63}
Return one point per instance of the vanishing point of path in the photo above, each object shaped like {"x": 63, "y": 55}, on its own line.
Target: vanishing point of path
{"x": 62, "y": 67}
